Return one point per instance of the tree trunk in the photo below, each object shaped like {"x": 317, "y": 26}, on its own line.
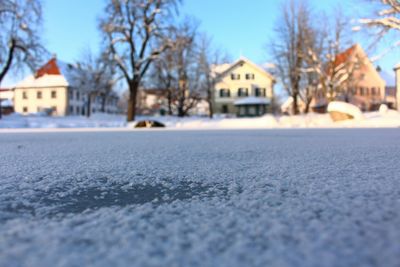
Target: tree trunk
{"x": 210, "y": 104}
{"x": 89, "y": 106}
{"x": 169, "y": 96}
{"x": 181, "y": 112}
{"x": 103, "y": 103}
{"x": 307, "y": 107}
{"x": 133, "y": 89}
{"x": 295, "y": 104}
{"x": 9, "y": 60}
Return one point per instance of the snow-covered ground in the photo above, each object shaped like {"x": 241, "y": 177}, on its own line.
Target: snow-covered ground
{"x": 389, "y": 118}
{"x": 95, "y": 121}
{"x": 322, "y": 197}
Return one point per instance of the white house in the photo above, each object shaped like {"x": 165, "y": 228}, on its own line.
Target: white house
{"x": 53, "y": 89}
{"x": 242, "y": 88}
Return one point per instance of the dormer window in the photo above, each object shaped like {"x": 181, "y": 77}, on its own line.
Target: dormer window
{"x": 249, "y": 76}
{"x": 235, "y": 76}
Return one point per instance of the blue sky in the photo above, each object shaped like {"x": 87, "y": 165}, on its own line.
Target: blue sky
{"x": 240, "y": 27}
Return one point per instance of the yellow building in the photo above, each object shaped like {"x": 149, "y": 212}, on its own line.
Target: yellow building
{"x": 242, "y": 88}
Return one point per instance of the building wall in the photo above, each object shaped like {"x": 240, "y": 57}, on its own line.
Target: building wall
{"x": 261, "y": 80}
{"x": 32, "y": 103}
{"x": 366, "y": 79}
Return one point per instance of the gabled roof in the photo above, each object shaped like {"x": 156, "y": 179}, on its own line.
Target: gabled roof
{"x": 50, "y": 68}
{"x": 345, "y": 56}
{"x": 242, "y": 60}
{"x": 52, "y": 74}
{"x": 348, "y": 56}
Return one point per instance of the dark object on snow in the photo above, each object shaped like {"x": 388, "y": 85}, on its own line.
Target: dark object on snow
{"x": 149, "y": 124}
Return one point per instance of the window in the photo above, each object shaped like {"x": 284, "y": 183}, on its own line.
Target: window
{"x": 224, "y": 109}
{"x": 260, "y": 92}
{"x": 24, "y": 95}
{"x": 77, "y": 95}
{"x": 243, "y": 92}
{"x": 77, "y": 110}
{"x": 362, "y": 91}
{"x": 366, "y": 91}
{"x": 39, "y": 94}
{"x": 71, "y": 94}
{"x": 53, "y": 94}
{"x": 373, "y": 91}
{"x": 25, "y": 109}
{"x": 71, "y": 109}
{"x": 249, "y": 76}
{"x": 235, "y": 76}
{"x": 224, "y": 93}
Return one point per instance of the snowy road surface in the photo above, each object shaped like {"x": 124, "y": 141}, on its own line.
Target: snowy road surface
{"x": 201, "y": 198}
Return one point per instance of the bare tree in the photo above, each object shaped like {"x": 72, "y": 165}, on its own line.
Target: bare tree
{"x": 19, "y": 36}
{"x": 387, "y": 19}
{"x": 131, "y": 29}
{"x": 177, "y": 70}
{"x": 289, "y": 46}
{"x": 208, "y": 57}
{"x": 163, "y": 71}
{"x": 327, "y": 75}
{"x": 96, "y": 77}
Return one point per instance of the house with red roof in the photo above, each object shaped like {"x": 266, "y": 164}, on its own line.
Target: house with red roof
{"x": 53, "y": 89}
{"x": 363, "y": 86}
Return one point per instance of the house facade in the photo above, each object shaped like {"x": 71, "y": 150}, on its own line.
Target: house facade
{"x": 54, "y": 91}
{"x": 364, "y": 86}
{"x": 242, "y": 88}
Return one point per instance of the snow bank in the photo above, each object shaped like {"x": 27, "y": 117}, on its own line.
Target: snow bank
{"x": 97, "y": 120}
{"x": 383, "y": 118}
{"x": 346, "y": 108}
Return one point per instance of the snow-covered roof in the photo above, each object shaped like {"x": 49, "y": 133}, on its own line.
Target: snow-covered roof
{"x": 224, "y": 68}
{"x": 252, "y": 100}
{"x": 54, "y": 73}
{"x": 218, "y": 69}
{"x": 346, "y": 108}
